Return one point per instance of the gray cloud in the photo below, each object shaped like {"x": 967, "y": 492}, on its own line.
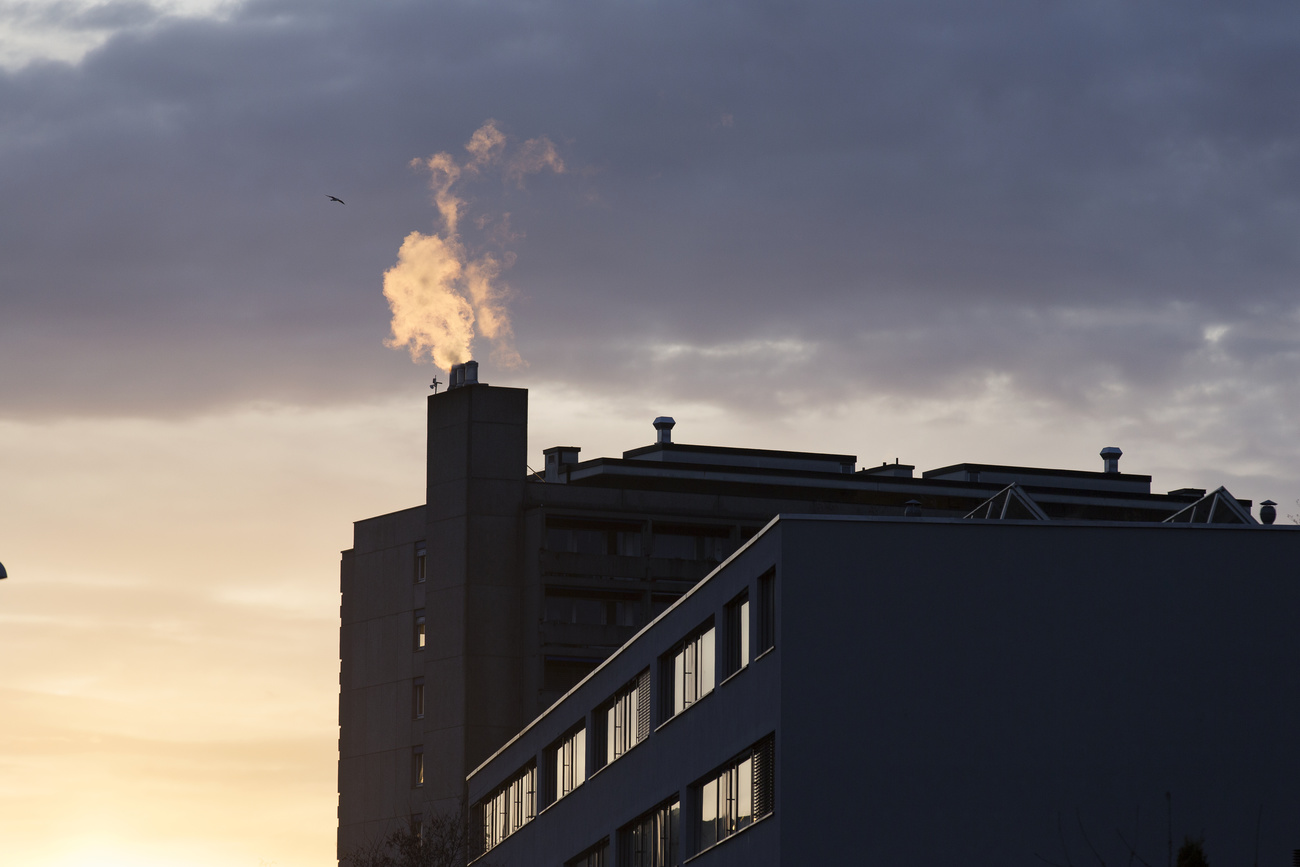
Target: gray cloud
{"x": 904, "y": 197}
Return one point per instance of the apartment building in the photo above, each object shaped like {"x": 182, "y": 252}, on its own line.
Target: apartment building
{"x": 466, "y": 616}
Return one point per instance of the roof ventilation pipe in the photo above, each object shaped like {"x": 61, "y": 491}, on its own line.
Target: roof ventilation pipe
{"x": 664, "y": 426}
{"x": 1110, "y": 459}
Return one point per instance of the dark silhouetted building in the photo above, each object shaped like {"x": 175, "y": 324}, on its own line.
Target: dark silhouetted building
{"x": 466, "y": 618}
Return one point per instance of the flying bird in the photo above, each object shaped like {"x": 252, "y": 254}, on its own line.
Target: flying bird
{"x": 336, "y": 199}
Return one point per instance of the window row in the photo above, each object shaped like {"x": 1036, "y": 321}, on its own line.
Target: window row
{"x": 725, "y": 802}
{"x": 712, "y": 542}
{"x": 686, "y": 674}
{"x": 505, "y": 811}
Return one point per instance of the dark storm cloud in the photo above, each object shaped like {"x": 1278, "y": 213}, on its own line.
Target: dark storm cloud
{"x": 905, "y": 196}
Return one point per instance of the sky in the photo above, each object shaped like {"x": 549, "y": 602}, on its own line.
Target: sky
{"x": 928, "y": 230}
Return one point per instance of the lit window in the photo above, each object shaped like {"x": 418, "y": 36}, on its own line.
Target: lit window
{"x": 417, "y": 767}
{"x": 738, "y": 633}
{"x": 419, "y": 629}
{"x": 733, "y": 797}
{"x": 506, "y": 810}
{"x": 767, "y": 610}
{"x": 417, "y": 698}
{"x": 626, "y": 718}
{"x": 419, "y": 562}
{"x": 570, "y": 762}
{"x": 596, "y": 856}
{"x": 689, "y": 672}
{"x": 651, "y": 841}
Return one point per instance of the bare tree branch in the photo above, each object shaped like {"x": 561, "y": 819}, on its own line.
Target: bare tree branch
{"x": 1131, "y": 850}
{"x": 1061, "y": 833}
{"x": 1079, "y": 819}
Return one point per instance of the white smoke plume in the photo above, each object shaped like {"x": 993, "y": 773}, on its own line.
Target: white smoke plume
{"x": 441, "y": 294}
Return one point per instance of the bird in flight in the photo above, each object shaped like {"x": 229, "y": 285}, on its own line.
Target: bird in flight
{"x": 336, "y": 199}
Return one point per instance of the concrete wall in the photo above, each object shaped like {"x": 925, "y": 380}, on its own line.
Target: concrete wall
{"x": 953, "y": 689}
{"x": 477, "y": 453}
{"x": 378, "y": 662}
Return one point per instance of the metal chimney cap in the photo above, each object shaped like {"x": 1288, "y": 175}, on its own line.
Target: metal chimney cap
{"x": 1110, "y": 459}
{"x": 664, "y": 424}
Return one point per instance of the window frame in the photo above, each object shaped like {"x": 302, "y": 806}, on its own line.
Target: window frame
{"x": 419, "y": 630}
{"x": 631, "y": 705}
{"x": 421, "y": 562}
{"x": 417, "y": 698}
{"x": 739, "y": 634}
{"x": 592, "y": 856}
{"x": 766, "y": 611}
{"x": 719, "y": 796}
{"x": 572, "y": 744}
{"x": 417, "y": 766}
{"x": 698, "y": 655}
{"x": 666, "y": 819}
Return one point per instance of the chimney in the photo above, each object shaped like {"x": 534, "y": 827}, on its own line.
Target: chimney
{"x": 1110, "y": 459}
{"x": 558, "y": 460}
{"x": 664, "y": 425}
{"x": 462, "y": 374}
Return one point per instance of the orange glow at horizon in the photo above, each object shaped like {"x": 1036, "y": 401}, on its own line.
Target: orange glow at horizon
{"x": 170, "y": 623}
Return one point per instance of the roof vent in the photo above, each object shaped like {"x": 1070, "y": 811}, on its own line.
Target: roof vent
{"x": 664, "y": 426}
{"x": 1110, "y": 459}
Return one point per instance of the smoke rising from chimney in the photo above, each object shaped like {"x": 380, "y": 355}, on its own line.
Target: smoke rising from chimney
{"x": 441, "y": 294}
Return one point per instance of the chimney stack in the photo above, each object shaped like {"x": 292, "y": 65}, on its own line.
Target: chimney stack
{"x": 664, "y": 425}
{"x": 462, "y": 374}
{"x": 1110, "y": 459}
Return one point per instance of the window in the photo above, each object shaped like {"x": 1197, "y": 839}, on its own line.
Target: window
{"x": 691, "y": 542}
{"x": 417, "y": 767}
{"x": 688, "y": 672}
{"x": 419, "y": 562}
{"x": 578, "y": 536}
{"x": 738, "y": 633}
{"x": 736, "y": 795}
{"x": 506, "y": 810}
{"x": 417, "y": 698}
{"x": 419, "y": 629}
{"x": 569, "y": 763}
{"x": 560, "y": 673}
{"x": 596, "y": 856}
{"x": 626, "y": 719}
{"x": 417, "y": 825}
{"x": 563, "y": 605}
{"x": 651, "y": 841}
{"x": 767, "y": 610}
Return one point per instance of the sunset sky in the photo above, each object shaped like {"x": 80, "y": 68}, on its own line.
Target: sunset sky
{"x": 940, "y": 231}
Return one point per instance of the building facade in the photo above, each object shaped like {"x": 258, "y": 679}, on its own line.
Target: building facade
{"x": 467, "y": 616}
{"x": 882, "y": 690}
